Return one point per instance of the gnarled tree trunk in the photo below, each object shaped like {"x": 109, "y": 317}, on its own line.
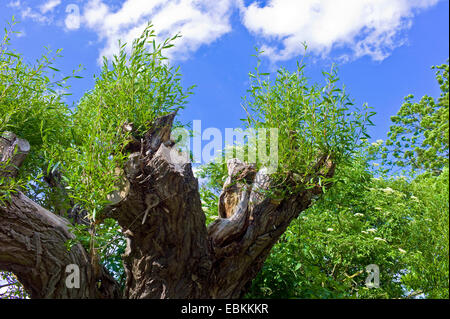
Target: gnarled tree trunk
{"x": 170, "y": 252}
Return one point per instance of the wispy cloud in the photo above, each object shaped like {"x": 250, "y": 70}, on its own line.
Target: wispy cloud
{"x": 365, "y": 27}
{"x": 29, "y": 13}
{"x": 14, "y": 4}
{"x": 49, "y": 5}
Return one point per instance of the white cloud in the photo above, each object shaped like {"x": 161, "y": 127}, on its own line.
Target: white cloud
{"x": 28, "y": 13}
{"x": 347, "y": 28}
{"x": 199, "y": 22}
{"x": 366, "y": 27}
{"x": 49, "y": 5}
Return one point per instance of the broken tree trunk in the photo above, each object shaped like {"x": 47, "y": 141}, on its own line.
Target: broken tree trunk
{"x": 170, "y": 252}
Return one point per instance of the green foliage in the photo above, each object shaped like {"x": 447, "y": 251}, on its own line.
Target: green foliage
{"x": 31, "y": 106}
{"x": 214, "y": 175}
{"x": 134, "y": 88}
{"x": 84, "y": 149}
{"x": 418, "y": 138}
{"x": 8, "y": 186}
{"x": 428, "y": 270}
{"x": 31, "y": 103}
{"x": 398, "y": 225}
{"x": 131, "y": 91}
{"x": 324, "y": 252}
{"x": 312, "y": 119}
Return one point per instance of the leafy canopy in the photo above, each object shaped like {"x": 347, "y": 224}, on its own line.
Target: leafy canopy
{"x": 313, "y": 120}
{"x": 31, "y": 106}
{"x": 131, "y": 91}
{"x": 418, "y": 138}
{"x": 399, "y": 225}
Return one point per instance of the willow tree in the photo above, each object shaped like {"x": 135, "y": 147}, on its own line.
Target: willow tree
{"x": 101, "y": 186}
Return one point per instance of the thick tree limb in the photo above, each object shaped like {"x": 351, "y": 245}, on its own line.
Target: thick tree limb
{"x": 167, "y": 252}
{"x": 32, "y": 246}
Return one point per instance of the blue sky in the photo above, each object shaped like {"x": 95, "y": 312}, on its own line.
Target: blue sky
{"x": 383, "y": 48}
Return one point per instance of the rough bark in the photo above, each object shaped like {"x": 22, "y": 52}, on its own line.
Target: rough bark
{"x": 170, "y": 252}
